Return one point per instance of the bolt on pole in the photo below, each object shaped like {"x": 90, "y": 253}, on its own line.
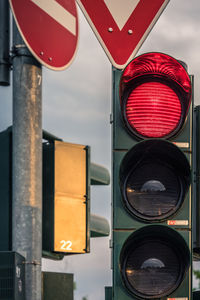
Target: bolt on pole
{"x": 27, "y": 163}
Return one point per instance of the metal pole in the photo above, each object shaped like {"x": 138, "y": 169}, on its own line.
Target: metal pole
{"x": 27, "y": 163}
{"x": 4, "y": 43}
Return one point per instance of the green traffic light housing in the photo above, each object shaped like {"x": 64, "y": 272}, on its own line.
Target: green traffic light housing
{"x": 67, "y": 177}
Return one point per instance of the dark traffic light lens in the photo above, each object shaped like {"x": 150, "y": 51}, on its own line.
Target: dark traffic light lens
{"x": 153, "y": 262}
{"x": 152, "y": 268}
{"x": 154, "y": 178}
{"x": 153, "y": 189}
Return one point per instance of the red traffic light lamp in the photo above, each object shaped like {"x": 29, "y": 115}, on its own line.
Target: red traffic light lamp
{"x": 155, "y": 94}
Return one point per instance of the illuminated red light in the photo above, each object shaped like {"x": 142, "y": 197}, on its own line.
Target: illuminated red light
{"x": 155, "y": 93}
{"x": 148, "y": 111}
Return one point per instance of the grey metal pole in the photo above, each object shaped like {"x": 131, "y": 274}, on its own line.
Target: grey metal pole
{"x": 4, "y": 43}
{"x": 27, "y": 163}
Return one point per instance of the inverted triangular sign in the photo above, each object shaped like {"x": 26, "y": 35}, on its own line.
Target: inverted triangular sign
{"x": 121, "y": 26}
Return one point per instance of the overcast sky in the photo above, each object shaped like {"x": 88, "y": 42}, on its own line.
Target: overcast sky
{"x": 77, "y": 106}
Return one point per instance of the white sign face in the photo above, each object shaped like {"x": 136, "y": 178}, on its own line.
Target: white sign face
{"x": 121, "y": 12}
{"x": 58, "y": 13}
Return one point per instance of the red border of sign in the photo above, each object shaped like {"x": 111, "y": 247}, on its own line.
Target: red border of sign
{"x": 35, "y": 55}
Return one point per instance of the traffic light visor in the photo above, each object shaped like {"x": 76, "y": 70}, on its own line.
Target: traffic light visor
{"x": 155, "y": 95}
{"x": 154, "y": 261}
{"x": 154, "y": 178}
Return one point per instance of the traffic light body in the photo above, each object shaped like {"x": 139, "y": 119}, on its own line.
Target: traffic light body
{"x": 66, "y": 185}
{"x": 66, "y": 197}
{"x": 67, "y": 177}
{"x": 130, "y": 227}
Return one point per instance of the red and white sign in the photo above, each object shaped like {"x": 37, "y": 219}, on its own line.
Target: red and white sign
{"x": 49, "y": 29}
{"x": 121, "y": 26}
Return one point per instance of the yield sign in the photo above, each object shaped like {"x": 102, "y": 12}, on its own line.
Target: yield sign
{"x": 49, "y": 29}
{"x": 121, "y": 26}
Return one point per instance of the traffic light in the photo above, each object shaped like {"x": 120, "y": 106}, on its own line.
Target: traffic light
{"x": 152, "y": 190}
{"x": 65, "y": 197}
{"x": 67, "y": 176}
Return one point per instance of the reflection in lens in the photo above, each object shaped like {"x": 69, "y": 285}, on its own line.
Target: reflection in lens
{"x": 152, "y": 263}
{"x": 153, "y": 186}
